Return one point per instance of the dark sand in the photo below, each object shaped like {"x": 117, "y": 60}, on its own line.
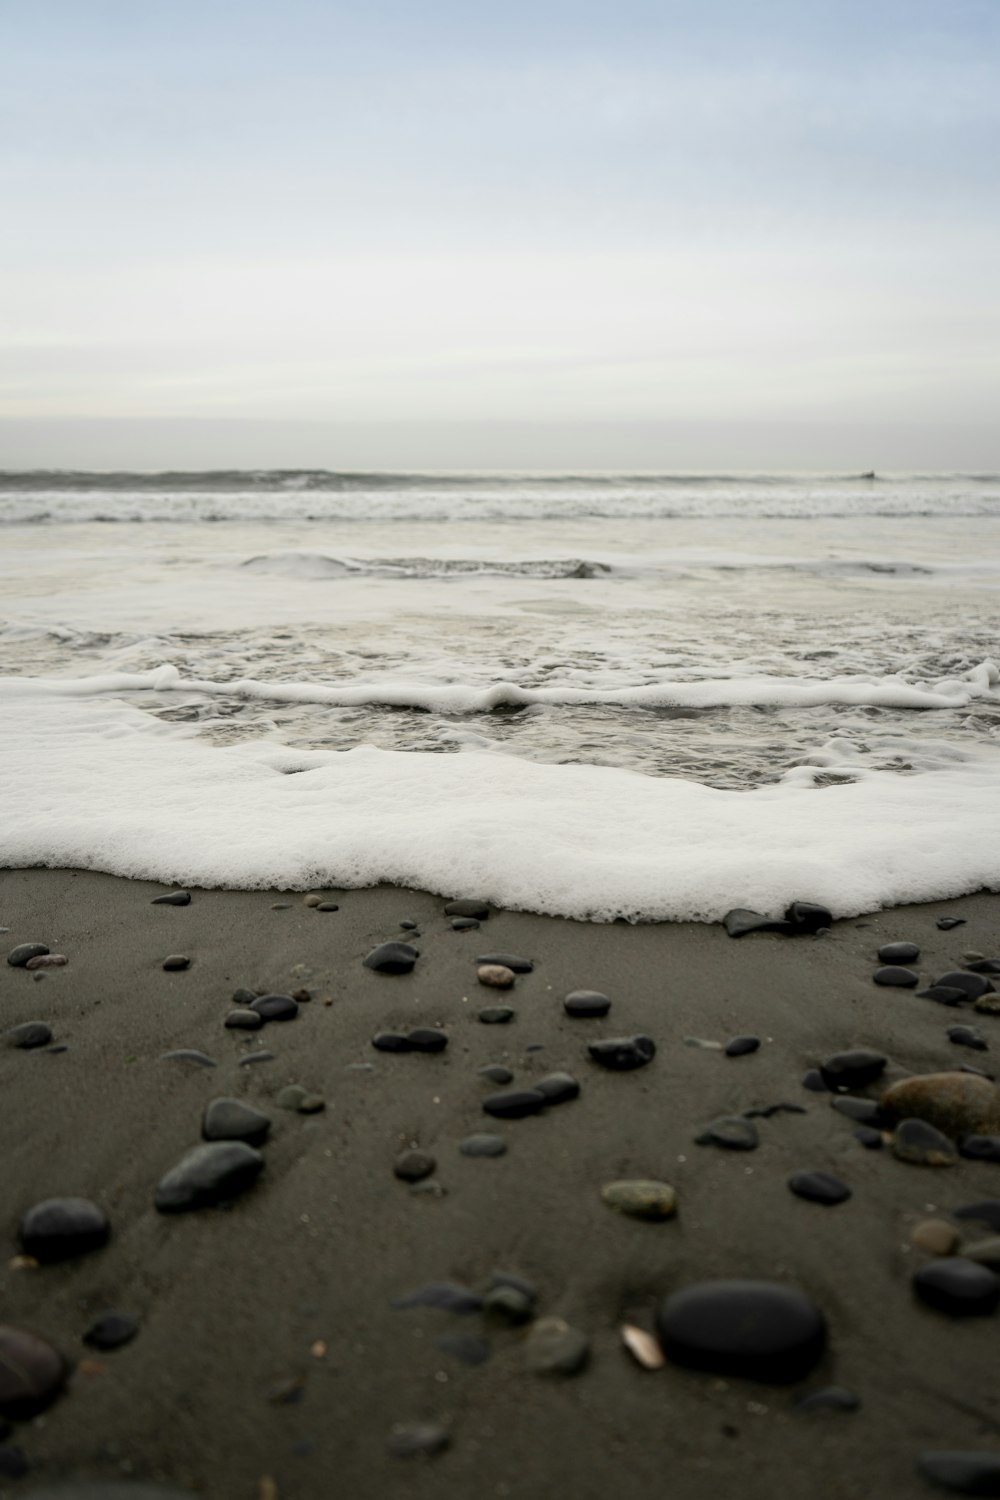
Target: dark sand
{"x": 231, "y": 1302}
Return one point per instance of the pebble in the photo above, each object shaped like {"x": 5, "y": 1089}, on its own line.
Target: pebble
{"x": 281, "y": 906}
{"x": 276, "y": 1007}
{"x": 18, "y": 957}
{"x": 957, "y": 1103}
{"x": 464, "y": 924}
{"x": 408, "y": 926}
{"x": 327, "y": 906}
{"x": 32, "y": 1373}
{"x": 47, "y": 961}
{"x": 922, "y": 1144}
{"x": 417, "y": 1440}
{"x": 974, "y": 985}
{"x": 450, "y": 1296}
{"x": 497, "y": 1015}
{"x": 60, "y": 1228}
{"x": 814, "y": 1080}
{"x": 828, "y": 1398}
{"x": 943, "y": 994}
{"x": 209, "y": 1174}
{"x": 981, "y": 1147}
{"x": 413, "y": 1166}
{"x": 947, "y": 923}
{"x": 111, "y": 1330}
{"x": 191, "y": 1055}
{"x": 760, "y": 1329}
{"x": 819, "y": 1187}
{"x": 808, "y": 917}
{"x": 742, "y": 920}
{"x": 894, "y": 975}
{"x": 175, "y": 962}
{"x": 554, "y": 1348}
{"x": 243, "y": 996}
{"x": 988, "y": 1005}
{"x": 291, "y": 1096}
{"x": 467, "y": 908}
{"x": 312, "y": 899}
{"x": 936, "y": 1236}
{"x": 427, "y": 1039}
{"x": 28, "y": 1035}
{"x": 312, "y": 1104}
{"x": 172, "y": 898}
{"x": 870, "y": 1138}
{"x": 558, "y": 1088}
{"x": 508, "y": 961}
{"x": 496, "y": 975}
{"x": 514, "y": 1104}
{"x": 852, "y": 1070}
{"x": 483, "y": 1145}
{"x": 742, "y": 1046}
{"x": 962, "y": 1471}
{"x": 958, "y": 1286}
{"x": 734, "y": 1132}
{"x": 968, "y": 1036}
{"x": 705, "y": 1043}
{"x": 623, "y": 1054}
{"x": 866, "y": 1111}
{"x": 987, "y": 1212}
{"x": 256, "y": 1057}
{"x": 392, "y": 958}
{"x": 641, "y": 1199}
{"x": 984, "y": 965}
{"x": 496, "y": 1073}
{"x": 898, "y": 953}
{"x": 986, "y": 1252}
{"x": 232, "y": 1120}
{"x": 470, "y": 1348}
{"x": 243, "y": 1020}
{"x": 586, "y": 1003}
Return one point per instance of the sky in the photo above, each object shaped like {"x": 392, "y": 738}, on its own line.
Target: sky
{"x": 551, "y": 233}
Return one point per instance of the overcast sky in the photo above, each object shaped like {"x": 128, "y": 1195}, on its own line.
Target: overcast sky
{"x": 629, "y": 232}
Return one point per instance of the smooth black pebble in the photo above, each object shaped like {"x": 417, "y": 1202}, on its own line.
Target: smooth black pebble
{"x": 514, "y": 1104}
{"x": 111, "y": 1331}
{"x": 392, "y": 958}
{"x": 742, "y": 1046}
{"x": 586, "y": 1003}
{"x": 896, "y": 976}
{"x": 60, "y": 1228}
{"x": 819, "y": 1187}
{"x": 758, "y": 1329}
{"x": 623, "y": 1054}
{"x": 957, "y": 1286}
{"x": 899, "y": 953}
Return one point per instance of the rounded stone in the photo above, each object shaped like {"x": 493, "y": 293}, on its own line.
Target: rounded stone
{"x": 468, "y": 907}
{"x": 936, "y": 1237}
{"x": 509, "y": 1304}
{"x": 60, "y": 1228}
{"x": 172, "y": 898}
{"x": 327, "y": 906}
{"x": 554, "y": 1348}
{"x": 641, "y": 1199}
{"x": 208, "y": 1174}
{"x": 623, "y": 1054}
{"x": 957, "y": 1103}
{"x": 898, "y": 953}
{"x": 819, "y": 1187}
{"x": 958, "y": 1286}
{"x": 276, "y": 1007}
{"x": 962, "y": 1471}
{"x": 508, "y": 961}
{"x": 742, "y": 1046}
{"x": 18, "y": 957}
{"x": 232, "y": 1120}
{"x": 968, "y": 1036}
{"x": 427, "y": 1039}
{"x": 111, "y": 1331}
{"x": 32, "y": 1373}
{"x": 762, "y": 1330}
{"x": 413, "y": 1166}
{"x": 483, "y": 1145}
{"x": 29, "y": 1034}
{"x": 733, "y": 1132}
{"x": 391, "y": 958}
{"x": 464, "y": 924}
{"x": 498, "y": 976}
{"x": 974, "y": 985}
{"x": 243, "y": 1019}
{"x": 47, "y": 961}
{"x": 922, "y": 1145}
{"x": 175, "y": 962}
{"x": 852, "y": 1070}
{"x": 980, "y": 1147}
{"x": 558, "y": 1088}
{"x": 497, "y": 1015}
{"x": 586, "y": 1003}
{"x": 496, "y": 1073}
{"x": 312, "y": 899}
{"x": 514, "y": 1104}
{"x": 291, "y": 1096}
{"x": 898, "y": 977}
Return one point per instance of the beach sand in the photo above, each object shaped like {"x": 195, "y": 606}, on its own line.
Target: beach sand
{"x": 269, "y": 1361}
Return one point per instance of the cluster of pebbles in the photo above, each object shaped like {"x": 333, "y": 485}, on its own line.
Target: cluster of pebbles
{"x": 754, "y": 1330}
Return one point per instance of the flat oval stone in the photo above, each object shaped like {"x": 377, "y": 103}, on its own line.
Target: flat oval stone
{"x": 496, "y": 1073}
{"x": 175, "y": 962}
{"x": 232, "y": 1120}
{"x": 209, "y": 1174}
{"x": 947, "y": 923}
{"x": 427, "y": 1039}
{"x": 968, "y": 1036}
{"x": 986, "y": 1252}
{"x": 47, "y": 961}
{"x": 558, "y": 1088}
{"x": 741, "y": 1046}
{"x": 111, "y": 1331}
{"x": 813, "y": 1080}
{"x": 956, "y": 1103}
{"x": 514, "y": 1104}
{"x": 742, "y": 920}
{"x": 243, "y": 1019}
{"x": 18, "y": 957}
{"x": 496, "y": 975}
{"x": 936, "y": 1237}
{"x": 508, "y": 961}
{"x": 981, "y": 1147}
{"x": 983, "y": 965}
{"x": 509, "y": 1304}
{"x": 957, "y": 1286}
{"x": 464, "y": 924}
{"x": 623, "y": 1054}
{"x": 413, "y": 1166}
{"x": 974, "y": 985}
{"x": 392, "y": 958}
{"x": 819, "y": 1187}
{"x": 852, "y": 1070}
{"x": 60, "y": 1228}
{"x": 923, "y": 1145}
{"x": 327, "y": 906}
{"x": 894, "y": 975}
{"x": 451, "y": 1296}
{"x": 276, "y": 1007}
{"x": 32, "y": 1373}
{"x": 761, "y": 1330}
{"x": 28, "y": 1035}
{"x": 942, "y": 994}
{"x": 898, "y": 953}
{"x": 554, "y": 1348}
{"x": 866, "y": 1111}
{"x": 172, "y": 898}
{"x": 586, "y": 1003}
{"x": 468, "y": 907}
{"x": 483, "y": 1145}
{"x": 641, "y": 1199}
{"x": 962, "y": 1471}
{"x": 733, "y": 1132}
{"x": 497, "y": 1015}
{"x": 391, "y": 1041}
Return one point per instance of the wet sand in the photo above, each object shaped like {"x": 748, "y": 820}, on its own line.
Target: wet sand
{"x": 269, "y": 1361}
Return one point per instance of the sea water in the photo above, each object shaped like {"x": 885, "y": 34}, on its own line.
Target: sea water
{"x": 642, "y": 695}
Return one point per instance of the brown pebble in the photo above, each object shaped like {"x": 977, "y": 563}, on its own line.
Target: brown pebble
{"x": 302, "y": 995}
{"x": 496, "y": 975}
{"x": 311, "y": 900}
{"x": 414, "y": 1166}
{"x": 956, "y": 1103}
{"x": 987, "y": 1005}
{"x": 936, "y": 1236}
{"x": 47, "y": 961}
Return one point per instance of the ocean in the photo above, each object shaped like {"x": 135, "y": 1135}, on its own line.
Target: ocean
{"x": 646, "y": 696}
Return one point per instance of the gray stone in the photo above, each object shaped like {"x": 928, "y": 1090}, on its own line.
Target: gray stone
{"x": 893, "y": 975}
{"x": 853, "y": 1070}
{"x": 60, "y": 1228}
{"x": 276, "y": 1007}
{"x": 514, "y": 1104}
{"x": 641, "y": 1199}
{"x": 961, "y": 1471}
{"x": 496, "y": 1073}
{"x": 32, "y": 1373}
{"x": 172, "y": 898}
{"x": 760, "y": 1330}
{"x": 623, "y": 1054}
{"x": 209, "y": 1174}
{"x": 819, "y": 1187}
{"x": 741, "y": 1046}
{"x": 28, "y": 1035}
{"x": 483, "y": 1145}
{"x": 923, "y": 1145}
{"x": 175, "y": 962}
{"x": 468, "y": 907}
{"x": 958, "y": 1286}
{"x": 413, "y": 1166}
{"x": 586, "y": 1004}
{"x": 898, "y": 953}
{"x": 18, "y": 957}
{"x": 391, "y": 958}
{"x": 497, "y": 1015}
{"x": 558, "y": 1088}
{"x": 232, "y": 1120}
{"x": 244, "y": 1020}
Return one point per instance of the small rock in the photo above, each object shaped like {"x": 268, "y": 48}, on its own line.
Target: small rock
{"x": 243, "y": 1020}
{"x": 467, "y": 908}
{"x": 742, "y": 1046}
{"x": 894, "y": 975}
{"x": 961, "y": 1287}
{"x": 450, "y": 1296}
{"x": 814, "y": 1080}
{"x": 899, "y": 953}
{"x": 586, "y": 1003}
{"x": 974, "y": 985}
{"x": 244, "y": 996}
{"x": 497, "y": 1015}
{"x": 232, "y": 1120}
{"x": 757, "y": 1329}
{"x": 173, "y": 898}
{"x": 962, "y": 1471}
{"x": 508, "y": 1304}
{"x": 957, "y": 1103}
{"x": 174, "y": 962}
{"x": 705, "y": 1043}
{"x": 988, "y": 1005}
{"x": 427, "y": 1039}
{"x": 327, "y": 906}
{"x": 28, "y": 1035}
{"x": 508, "y": 961}
{"x": 922, "y": 1144}
{"x": 312, "y": 1104}
{"x": 742, "y": 920}
{"x": 413, "y": 1166}
{"x": 47, "y": 961}
{"x": 392, "y": 958}
{"x": 943, "y": 994}
{"x": 936, "y": 1236}
{"x": 852, "y": 1070}
{"x": 734, "y": 1132}
{"x": 623, "y": 1054}
{"x": 312, "y": 899}
{"x": 60, "y": 1228}
{"x": 496, "y": 975}
{"x": 483, "y": 1145}
{"x": 32, "y": 1373}
{"x": 864, "y": 1110}
{"x": 641, "y": 1199}
{"x": 496, "y": 1073}
{"x": 18, "y": 957}
{"x": 829, "y": 1398}
{"x": 111, "y": 1331}
{"x": 808, "y": 917}
{"x": 189, "y": 1055}
{"x": 281, "y": 906}
{"x": 408, "y": 926}
{"x": 209, "y": 1174}
{"x": 554, "y": 1348}
{"x": 558, "y": 1088}
{"x": 417, "y": 1440}
{"x": 947, "y": 923}
{"x": 819, "y": 1187}
{"x": 276, "y": 1007}
{"x": 968, "y": 1036}
{"x": 979, "y": 965}
{"x": 464, "y": 924}
{"x": 514, "y": 1104}
{"x": 981, "y": 1147}
{"x": 291, "y": 1096}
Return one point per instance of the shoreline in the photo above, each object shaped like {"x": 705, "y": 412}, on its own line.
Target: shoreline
{"x": 221, "y": 1393}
